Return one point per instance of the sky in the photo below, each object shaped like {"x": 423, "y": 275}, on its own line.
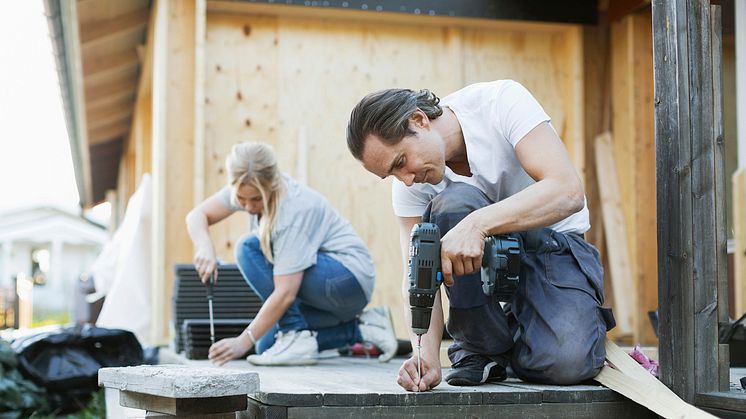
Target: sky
{"x": 35, "y": 163}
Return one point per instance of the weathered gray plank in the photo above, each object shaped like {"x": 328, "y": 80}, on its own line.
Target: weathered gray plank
{"x": 687, "y": 185}
{"x": 726, "y": 400}
{"x": 258, "y": 410}
{"x": 716, "y": 29}
{"x": 673, "y": 212}
{"x": 568, "y": 394}
{"x": 607, "y": 410}
{"x": 725, "y": 414}
{"x": 704, "y": 208}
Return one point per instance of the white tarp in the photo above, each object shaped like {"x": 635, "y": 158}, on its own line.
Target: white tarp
{"x": 122, "y": 271}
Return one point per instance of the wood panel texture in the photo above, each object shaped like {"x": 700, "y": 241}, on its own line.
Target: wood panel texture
{"x": 739, "y": 227}
{"x": 617, "y": 235}
{"x": 689, "y": 228}
{"x": 173, "y": 147}
{"x": 633, "y": 143}
{"x": 278, "y": 79}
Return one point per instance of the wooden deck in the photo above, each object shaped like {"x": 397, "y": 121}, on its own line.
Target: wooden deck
{"x": 344, "y": 387}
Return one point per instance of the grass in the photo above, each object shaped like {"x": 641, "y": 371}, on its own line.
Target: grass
{"x": 47, "y": 319}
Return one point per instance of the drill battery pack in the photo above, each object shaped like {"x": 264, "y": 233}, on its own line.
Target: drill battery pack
{"x": 501, "y": 266}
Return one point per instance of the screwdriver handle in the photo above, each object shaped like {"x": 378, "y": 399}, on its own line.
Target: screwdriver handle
{"x": 210, "y": 283}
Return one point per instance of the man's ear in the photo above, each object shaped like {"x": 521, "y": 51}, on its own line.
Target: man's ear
{"x": 419, "y": 119}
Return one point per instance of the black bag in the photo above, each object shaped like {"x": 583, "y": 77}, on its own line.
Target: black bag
{"x": 66, "y": 361}
{"x": 734, "y": 334}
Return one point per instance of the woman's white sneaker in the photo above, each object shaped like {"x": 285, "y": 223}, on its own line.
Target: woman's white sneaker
{"x": 296, "y": 347}
{"x": 377, "y": 328}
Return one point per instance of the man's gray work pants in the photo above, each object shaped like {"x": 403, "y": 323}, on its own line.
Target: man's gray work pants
{"x": 553, "y": 329}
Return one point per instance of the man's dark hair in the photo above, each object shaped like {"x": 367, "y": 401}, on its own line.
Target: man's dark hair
{"x": 385, "y": 114}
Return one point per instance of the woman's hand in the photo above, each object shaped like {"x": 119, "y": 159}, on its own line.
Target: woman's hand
{"x": 461, "y": 250}
{"x": 431, "y": 374}
{"x": 225, "y": 350}
{"x": 205, "y": 262}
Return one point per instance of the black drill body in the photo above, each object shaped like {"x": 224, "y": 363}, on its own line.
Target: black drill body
{"x": 501, "y": 264}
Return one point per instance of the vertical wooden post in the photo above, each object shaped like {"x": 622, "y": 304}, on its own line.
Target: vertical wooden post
{"x": 721, "y": 236}
{"x": 691, "y": 244}
{"x": 174, "y": 96}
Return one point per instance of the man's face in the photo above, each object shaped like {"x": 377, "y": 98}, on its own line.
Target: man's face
{"x": 418, "y": 158}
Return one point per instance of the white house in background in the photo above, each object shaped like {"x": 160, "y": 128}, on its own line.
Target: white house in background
{"x": 51, "y": 246}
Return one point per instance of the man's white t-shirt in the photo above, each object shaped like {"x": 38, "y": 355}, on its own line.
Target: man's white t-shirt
{"x": 494, "y": 117}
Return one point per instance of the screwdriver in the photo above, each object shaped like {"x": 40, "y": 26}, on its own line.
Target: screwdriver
{"x": 209, "y": 304}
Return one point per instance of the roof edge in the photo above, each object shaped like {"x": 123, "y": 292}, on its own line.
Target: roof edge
{"x": 61, "y": 19}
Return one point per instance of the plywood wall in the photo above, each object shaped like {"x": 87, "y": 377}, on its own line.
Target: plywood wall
{"x": 278, "y": 79}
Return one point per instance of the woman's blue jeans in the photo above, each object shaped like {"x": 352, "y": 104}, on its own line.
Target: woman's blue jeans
{"x": 328, "y": 301}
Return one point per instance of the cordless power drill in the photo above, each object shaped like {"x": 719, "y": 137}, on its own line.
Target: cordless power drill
{"x": 501, "y": 264}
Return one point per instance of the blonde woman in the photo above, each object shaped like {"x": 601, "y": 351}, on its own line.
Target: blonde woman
{"x": 302, "y": 258}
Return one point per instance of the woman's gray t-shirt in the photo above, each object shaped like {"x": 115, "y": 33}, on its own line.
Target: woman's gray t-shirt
{"x": 306, "y": 225}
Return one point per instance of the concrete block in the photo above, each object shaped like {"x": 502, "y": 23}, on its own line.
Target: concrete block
{"x": 179, "y": 381}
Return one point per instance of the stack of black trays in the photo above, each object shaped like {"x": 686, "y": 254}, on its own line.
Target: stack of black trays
{"x": 233, "y": 299}
{"x": 195, "y": 334}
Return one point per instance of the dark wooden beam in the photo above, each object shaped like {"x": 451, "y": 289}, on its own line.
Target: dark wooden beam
{"x": 690, "y": 226}
{"x": 620, "y": 8}
{"x": 570, "y": 11}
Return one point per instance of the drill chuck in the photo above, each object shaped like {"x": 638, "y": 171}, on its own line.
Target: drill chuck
{"x": 421, "y": 319}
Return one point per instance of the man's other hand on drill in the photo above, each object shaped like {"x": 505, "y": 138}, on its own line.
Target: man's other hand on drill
{"x": 431, "y": 374}
{"x": 461, "y": 250}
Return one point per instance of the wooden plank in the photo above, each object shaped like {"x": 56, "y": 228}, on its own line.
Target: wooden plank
{"x": 101, "y": 31}
{"x": 595, "y": 65}
{"x": 113, "y": 62}
{"x": 740, "y": 76}
{"x": 645, "y": 230}
{"x": 124, "y": 95}
{"x": 102, "y": 116}
{"x": 721, "y": 202}
{"x": 558, "y": 410}
{"x": 110, "y": 119}
{"x": 173, "y": 142}
{"x": 105, "y": 133}
{"x": 625, "y": 293}
{"x": 182, "y": 406}
{"x": 109, "y": 91}
{"x": 200, "y": 156}
{"x": 739, "y": 229}
{"x": 632, "y": 93}
{"x": 704, "y": 208}
{"x": 654, "y": 398}
{"x": 629, "y": 378}
{"x": 674, "y": 196}
{"x": 566, "y": 394}
{"x": 725, "y": 400}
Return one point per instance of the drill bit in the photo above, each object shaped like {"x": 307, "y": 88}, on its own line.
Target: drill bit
{"x": 209, "y": 306}
{"x": 419, "y": 352}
